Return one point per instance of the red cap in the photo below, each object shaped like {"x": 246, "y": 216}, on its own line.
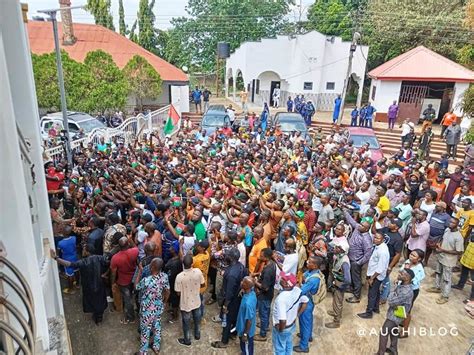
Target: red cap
{"x": 289, "y": 278}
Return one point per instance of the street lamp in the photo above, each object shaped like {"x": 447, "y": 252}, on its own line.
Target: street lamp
{"x": 52, "y": 17}
{"x": 353, "y": 47}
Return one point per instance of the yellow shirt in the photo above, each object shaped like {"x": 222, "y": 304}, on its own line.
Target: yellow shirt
{"x": 384, "y": 204}
{"x": 302, "y": 232}
{"x": 466, "y": 220}
{"x": 255, "y": 253}
{"x": 201, "y": 261}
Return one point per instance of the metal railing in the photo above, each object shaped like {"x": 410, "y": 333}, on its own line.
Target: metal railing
{"x": 130, "y": 129}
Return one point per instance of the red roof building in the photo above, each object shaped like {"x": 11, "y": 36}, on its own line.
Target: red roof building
{"x": 89, "y": 37}
{"x": 92, "y": 37}
{"x": 415, "y": 79}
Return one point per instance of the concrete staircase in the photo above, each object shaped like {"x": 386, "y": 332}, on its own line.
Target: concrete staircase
{"x": 389, "y": 140}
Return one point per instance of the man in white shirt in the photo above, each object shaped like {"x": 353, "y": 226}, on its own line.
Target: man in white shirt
{"x": 289, "y": 304}
{"x": 363, "y": 194}
{"x": 231, "y": 114}
{"x": 358, "y": 175}
{"x": 187, "y": 285}
{"x": 290, "y": 263}
{"x": 376, "y": 272}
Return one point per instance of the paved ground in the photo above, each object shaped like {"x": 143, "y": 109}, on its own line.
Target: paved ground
{"x": 356, "y": 336}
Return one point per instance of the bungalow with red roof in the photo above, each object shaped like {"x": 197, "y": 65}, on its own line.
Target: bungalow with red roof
{"x": 415, "y": 79}
{"x": 79, "y": 39}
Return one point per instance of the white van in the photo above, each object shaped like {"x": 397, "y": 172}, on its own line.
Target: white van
{"x": 76, "y": 121}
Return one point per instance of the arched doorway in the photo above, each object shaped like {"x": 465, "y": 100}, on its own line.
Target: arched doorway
{"x": 268, "y": 81}
{"x": 239, "y": 81}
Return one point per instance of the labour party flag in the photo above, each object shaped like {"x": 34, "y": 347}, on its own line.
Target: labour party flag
{"x": 172, "y": 122}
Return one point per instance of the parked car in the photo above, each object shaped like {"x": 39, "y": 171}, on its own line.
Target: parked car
{"x": 214, "y": 118}
{"x": 291, "y": 122}
{"x": 76, "y": 122}
{"x": 361, "y": 136}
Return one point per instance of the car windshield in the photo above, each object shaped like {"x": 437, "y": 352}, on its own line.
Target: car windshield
{"x": 213, "y": 121}
{"x": 359, "y": 141}
{"x": 292, "y": 126}
{"x": 89, "y": 125}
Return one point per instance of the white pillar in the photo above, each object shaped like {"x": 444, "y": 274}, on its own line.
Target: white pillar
{"x": 359, "y": 93}
{"x": 234, "y": 87}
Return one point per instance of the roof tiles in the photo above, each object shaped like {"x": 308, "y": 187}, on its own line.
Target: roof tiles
{"x": 93, "y": 37}
{"x": 422, "y": 64}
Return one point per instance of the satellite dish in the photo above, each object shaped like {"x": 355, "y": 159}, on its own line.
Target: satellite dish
{"x": 184, "y": 68}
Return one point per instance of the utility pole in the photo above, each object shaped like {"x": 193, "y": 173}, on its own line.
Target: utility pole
{"x": 52, "y": 17}
{"x": 217, "y": 75}
{"x": 352, "y": 49}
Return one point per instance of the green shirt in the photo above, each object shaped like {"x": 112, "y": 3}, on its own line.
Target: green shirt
{"x": 200, "y": 231}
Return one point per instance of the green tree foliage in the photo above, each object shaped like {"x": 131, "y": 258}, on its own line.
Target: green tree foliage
{"x": 132, "y": 36}
{"x": 391, "y": 27}
{"x": 110, "y": 88}
{"x": 465, "y": 56}
{"x": 193, "y": 40}
{"x": 467, "y": 103}
{"x": 122, "y": 25}
{"x": 100, "y": 9}
{"x": 77, "y": 82}
{"x": 143, "y": 80}
{"x": 146, "y": 22}
{"x": 332, "y": 17}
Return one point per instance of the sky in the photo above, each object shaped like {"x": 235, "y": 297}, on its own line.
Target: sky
{"x": 164, "y": 10}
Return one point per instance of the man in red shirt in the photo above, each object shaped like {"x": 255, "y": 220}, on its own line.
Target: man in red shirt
{"x": 54, "y": 179}
{"x": 123, "y": 266}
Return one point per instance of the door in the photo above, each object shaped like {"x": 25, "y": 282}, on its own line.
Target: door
{"x": 273, "y": 85}
{"x": 411, "y": 101}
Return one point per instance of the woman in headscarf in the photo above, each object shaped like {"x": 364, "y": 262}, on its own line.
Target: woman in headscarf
{"x": 264, "y": 117}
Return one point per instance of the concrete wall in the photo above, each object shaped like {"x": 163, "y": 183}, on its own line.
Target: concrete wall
{"x": 25, "y": 223}
{"x": 385, "y": 93}
{"x": 304, "y": 58}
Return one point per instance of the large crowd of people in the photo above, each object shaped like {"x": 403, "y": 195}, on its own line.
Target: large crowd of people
{"x": 264, "y": 224}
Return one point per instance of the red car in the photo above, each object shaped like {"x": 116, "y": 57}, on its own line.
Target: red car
{"x": 361, "y": 135}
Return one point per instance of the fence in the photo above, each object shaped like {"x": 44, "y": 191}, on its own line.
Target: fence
{"x": 130, "y": 129}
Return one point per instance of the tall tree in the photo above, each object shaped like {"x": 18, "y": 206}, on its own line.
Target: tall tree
{"x": 110, "y": 88}
{"x": 100, "y": 9}
{"x": 332, "y": 17}
{"x": 146, "y": 23}
{"x": 194, "y": 38}
{"x": 143, "y": 80}
{"x": 392, "y": 27}
{"x": 122, "y": 25}
{"x": 77, "y": 82}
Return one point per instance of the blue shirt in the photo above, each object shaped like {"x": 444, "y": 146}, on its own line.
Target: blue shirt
{"x": 247, "y": 311}
{"x": 354, "y": 113}
{"x": 197, "y": 95}
{"x": 311, "y": 284}
{"x": 369, "y": 111}
{"x": 68, "y": 248}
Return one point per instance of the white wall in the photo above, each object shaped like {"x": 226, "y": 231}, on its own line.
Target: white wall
{"x": 26, "y": 230}
{"x": 386, "y": 92}
{"x": 459, "y": 89}
{"x": 305, "y": 58}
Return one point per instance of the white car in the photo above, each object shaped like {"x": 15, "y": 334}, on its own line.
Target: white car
{"x": 76, "y": 121}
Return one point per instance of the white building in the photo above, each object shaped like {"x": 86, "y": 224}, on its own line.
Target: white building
{"x": 415, "y": 79}
{"x": 25, "y": 224}
{"x": 312, "y": 64}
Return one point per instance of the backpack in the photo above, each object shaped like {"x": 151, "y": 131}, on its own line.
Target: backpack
{"x": 322, "y": 290}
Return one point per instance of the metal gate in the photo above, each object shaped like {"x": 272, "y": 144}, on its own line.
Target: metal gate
{"x": 411, "y": 101}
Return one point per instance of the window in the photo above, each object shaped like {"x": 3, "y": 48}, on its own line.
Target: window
{"x": 308, "y": 85}
{"x": 330, "y": 85}
{"x": 374, "y": 89}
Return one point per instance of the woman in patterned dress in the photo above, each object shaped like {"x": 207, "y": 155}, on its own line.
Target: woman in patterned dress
{"x": 154, "y": 293}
